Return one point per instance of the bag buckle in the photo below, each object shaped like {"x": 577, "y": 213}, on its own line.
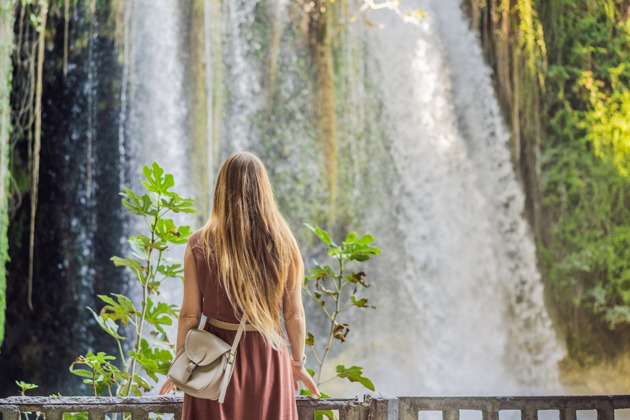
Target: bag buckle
{"x": 231, "y": 357}
{"x": 191, "y": 365}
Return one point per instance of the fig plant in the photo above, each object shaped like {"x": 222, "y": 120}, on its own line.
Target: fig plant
{"x": 150, "y": 267}
{"x": 335, "y": 291}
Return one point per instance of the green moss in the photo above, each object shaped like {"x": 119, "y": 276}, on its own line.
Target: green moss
{"x": 6, "y": 47}
{"x": 570, "y": 117}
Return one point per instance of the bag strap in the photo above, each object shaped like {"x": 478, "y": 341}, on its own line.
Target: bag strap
{"x": 239, "y": 333}
{"x": 229, "y": 367}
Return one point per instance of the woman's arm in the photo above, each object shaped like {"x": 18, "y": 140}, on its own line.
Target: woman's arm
{"x": 190, "y": 312}
{"x": 295, "y": 324}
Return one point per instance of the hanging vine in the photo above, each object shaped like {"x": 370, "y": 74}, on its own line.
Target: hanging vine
{"x": 28, "y": 60}
{"x": 66, "y": 23}
{"x": 43, "y": 13}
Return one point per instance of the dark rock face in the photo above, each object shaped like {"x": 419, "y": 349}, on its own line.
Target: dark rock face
{"x": 79, "y": 222}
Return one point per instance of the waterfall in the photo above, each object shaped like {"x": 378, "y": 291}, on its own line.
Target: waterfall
{"x": 424, "y": 166}
{"x": 461, "y": 306}
{"x": 156, "y": 125}
{"x": 158, "y": 108}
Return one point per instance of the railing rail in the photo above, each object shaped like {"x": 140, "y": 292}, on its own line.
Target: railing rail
{"x": 373, "y": 406}
{"x": 567, "y": 406}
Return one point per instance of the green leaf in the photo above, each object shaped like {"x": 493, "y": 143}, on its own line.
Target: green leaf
{"x": 320, "y": 272}
{"x": 360, "y": 252}
{"x": 177, "y": 204}
{"x": 82, "y": 372}
{"x": 172, "y": 270}
{"x": 84, "y": 415}
{"x": 324, "y": 414}
{"x": 24, "y": 386}
{"x": 354, "y": 374}
{"x": 158, "y": 181}
{"x": 107, "y": 325}
{"x": 366, "y": 240}
{"x": 153, "y": 361}
{"x": 310, "y": 340}
{"x": 147, "y": 243}
{"x": 127, "y": 262}
{"x": 167, "y": 231}
{"x": 137, "y": 205}
{"x": 142, "y": 383}
{"x": 361, "y": 303}
{"x": 160, "y": 314}
{"x": 322, "y": 235}
{"x": 121, "y": 311}
{"x": 357, "y": 278}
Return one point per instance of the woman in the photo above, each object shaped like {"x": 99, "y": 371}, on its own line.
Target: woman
{"x": 245, "y": 261}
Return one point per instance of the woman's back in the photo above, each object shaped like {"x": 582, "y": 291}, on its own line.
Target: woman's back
{"x": 262, "y": 383}
{"x": 216, "y": 303}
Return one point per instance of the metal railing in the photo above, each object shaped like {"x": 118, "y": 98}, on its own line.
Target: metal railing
{"x": 373, "y": 406}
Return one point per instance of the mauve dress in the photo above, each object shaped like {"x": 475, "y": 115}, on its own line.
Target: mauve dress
{"x": 262, "y": 382}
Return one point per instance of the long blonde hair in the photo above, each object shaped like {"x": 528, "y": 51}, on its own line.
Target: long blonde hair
{"x": 256, "y": 254}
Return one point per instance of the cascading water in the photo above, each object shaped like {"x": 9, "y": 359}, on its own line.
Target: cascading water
{"x": 156, "y": 125}
{"x": 460, "y": 302}
{"x": 464, "y": 310}
{"x": 158, "y": 109}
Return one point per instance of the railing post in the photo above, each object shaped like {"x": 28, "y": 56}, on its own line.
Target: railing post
{"x": 381, "y": 406}
{"x": 97, "y": 415}
{"x": 606, "y": 412}
{"x": 568, "y": 414}
{"x": 450, "y": 415}
{"x": 529, "y": 414}
{"x": 10, "y": 415}
{"x": 139, "y": 415}
{"x": 52, "y": 414}
{"x": 178, "y": 414}
{"x": 305, "y": 413}
{"x": 491, "y": 411}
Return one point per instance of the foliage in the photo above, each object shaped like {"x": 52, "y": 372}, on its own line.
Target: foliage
{"x": 6, "y": 70}
{"x": 150, "y": 268}
{"x": 38, "y": 414}
{"x": 24, "y": 386}
{"x": 585, "y": 166}
{"x": 328, "y": 287}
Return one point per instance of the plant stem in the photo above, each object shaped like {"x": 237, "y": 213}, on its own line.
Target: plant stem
{"x": 94, "y": 381}
{"x": 327, "y": 380}
{"x": 145, "y": 287}
{"x": 122, "y": 354}
{"x": 315, "y": 354}
{"x": 333, "y": 321}
{"x": 317, "y": 300}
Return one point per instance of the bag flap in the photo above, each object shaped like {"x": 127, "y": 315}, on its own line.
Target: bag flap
{"x": 203, "y": 347}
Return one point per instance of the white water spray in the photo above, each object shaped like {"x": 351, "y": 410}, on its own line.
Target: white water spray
{"x": 157, "y": 118}
{"x": 464, "y": 312}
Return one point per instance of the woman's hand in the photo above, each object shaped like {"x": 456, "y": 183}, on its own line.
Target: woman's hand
{"x": 168, "y": 387}
{"x": 300, "y": 374}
